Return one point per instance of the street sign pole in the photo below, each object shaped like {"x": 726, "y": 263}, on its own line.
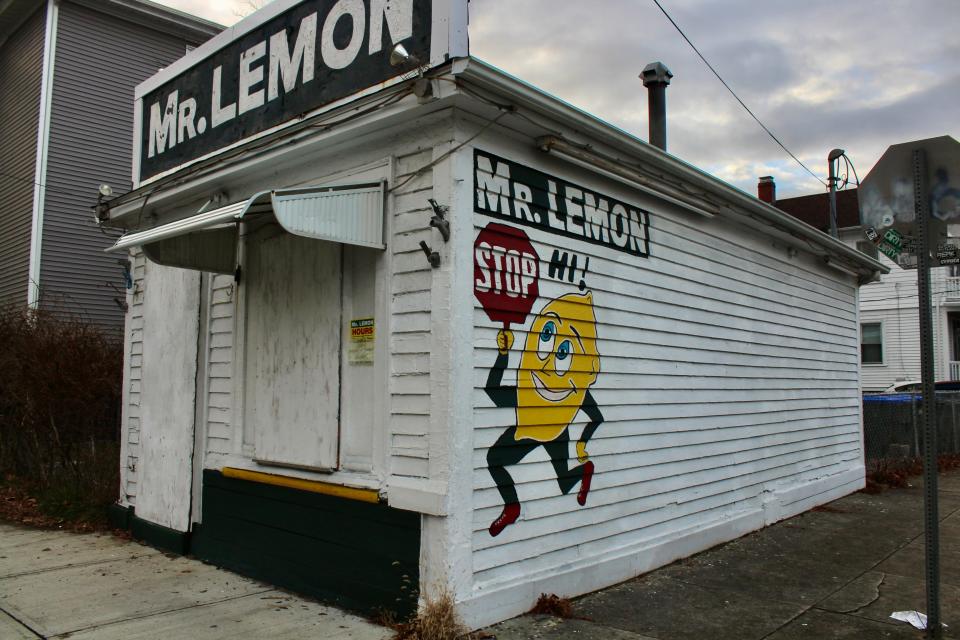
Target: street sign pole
{"x": 928, "y": 399}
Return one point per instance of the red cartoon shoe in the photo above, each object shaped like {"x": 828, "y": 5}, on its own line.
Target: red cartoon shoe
{"x": 510, "y": 514}
{"x": 585, "y": 483}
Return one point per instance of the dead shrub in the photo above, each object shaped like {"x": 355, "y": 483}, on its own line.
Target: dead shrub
{"x": 60, "y": 389}
{"x": 553, "y": 605}
{"x": 895, "y": 473}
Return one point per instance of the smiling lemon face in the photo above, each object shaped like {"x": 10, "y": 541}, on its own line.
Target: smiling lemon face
{"x": 559, "y": 363}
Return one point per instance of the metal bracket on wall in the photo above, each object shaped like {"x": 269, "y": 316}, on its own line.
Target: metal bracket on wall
{"x": 439, "y": 219}
{"x": 432, "y": 255}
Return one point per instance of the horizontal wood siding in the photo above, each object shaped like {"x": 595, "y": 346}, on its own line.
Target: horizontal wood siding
{"x": 894, "y": 301}
{"x": 21, "y": 71}
{"x": 410, "y": 319}
{"x": 728, "y": 371}
{"x": 99, "y": 61}
{"x": 220, "y": 365}
{"x": 133, "y": 367}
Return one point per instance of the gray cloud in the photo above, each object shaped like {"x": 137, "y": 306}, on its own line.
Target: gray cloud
{"x": 860, "y": 74}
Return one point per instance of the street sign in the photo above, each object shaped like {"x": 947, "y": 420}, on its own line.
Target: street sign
{"x": 886, "y": 197}
{"x": 899, "y": 248}
{"x": 913, "y": 190}
{"x": 947, "y": 254}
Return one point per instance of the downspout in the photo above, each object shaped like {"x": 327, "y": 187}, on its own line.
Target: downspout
{"x": 43, "y": 146}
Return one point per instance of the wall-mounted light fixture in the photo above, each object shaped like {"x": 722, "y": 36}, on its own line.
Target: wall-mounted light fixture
{"x": 102, "y": 210}
{"x": 401, "y": 58}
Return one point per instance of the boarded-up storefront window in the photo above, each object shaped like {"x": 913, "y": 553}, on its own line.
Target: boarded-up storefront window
{"x": 292, "y": 399}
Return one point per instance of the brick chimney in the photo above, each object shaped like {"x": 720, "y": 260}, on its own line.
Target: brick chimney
{"x": 767, "y": 190}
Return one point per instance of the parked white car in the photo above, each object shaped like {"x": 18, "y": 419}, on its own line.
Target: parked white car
{"x": 907, "y": 386}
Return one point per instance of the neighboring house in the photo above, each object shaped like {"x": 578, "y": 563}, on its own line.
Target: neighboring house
{"x": 68, "y": 69}
{"x": 889, "y": 313}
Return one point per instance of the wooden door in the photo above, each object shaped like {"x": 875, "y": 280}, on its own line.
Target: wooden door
{"x": 171, "y": 326}
{"x": 292, "y": 359}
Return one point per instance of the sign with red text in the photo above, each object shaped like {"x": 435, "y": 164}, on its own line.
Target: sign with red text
{"x": 506, "y": 273}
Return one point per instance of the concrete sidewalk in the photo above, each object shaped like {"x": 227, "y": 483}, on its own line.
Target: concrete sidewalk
{"x": 58, "y": 585}
{"x": 837, "y": 572}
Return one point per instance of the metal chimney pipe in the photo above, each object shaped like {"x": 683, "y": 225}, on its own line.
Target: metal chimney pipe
{"x": 655, "y": 78}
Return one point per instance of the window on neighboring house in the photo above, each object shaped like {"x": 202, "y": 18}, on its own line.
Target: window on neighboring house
{"x": 871, "y": 343}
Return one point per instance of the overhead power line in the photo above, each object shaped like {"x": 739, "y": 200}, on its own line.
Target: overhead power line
{"x": 19, "y": 179}
{"x": 734, "y": 94}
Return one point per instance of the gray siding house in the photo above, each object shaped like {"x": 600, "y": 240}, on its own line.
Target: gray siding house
{"x": 68, "y": 69}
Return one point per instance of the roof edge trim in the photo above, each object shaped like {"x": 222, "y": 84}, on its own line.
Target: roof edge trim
{"x": 473, "y": 70}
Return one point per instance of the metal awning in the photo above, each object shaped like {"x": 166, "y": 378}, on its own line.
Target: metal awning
{"x": 229, "y": 213}
{"x": 350, "y": 214}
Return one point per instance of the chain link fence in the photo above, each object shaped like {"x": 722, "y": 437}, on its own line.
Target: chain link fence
{"x": 893, "y": 425}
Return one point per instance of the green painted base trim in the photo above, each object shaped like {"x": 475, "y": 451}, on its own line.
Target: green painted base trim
{"x": 155, "y": 535}
{"x": 159, "y": 536}
{"x": 119, "y": 516}
{"x": 357, "y": 555}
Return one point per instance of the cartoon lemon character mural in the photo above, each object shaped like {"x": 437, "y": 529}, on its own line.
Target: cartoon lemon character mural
{"x": 558, "y": 365}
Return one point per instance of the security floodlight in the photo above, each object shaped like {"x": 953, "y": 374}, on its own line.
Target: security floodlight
{"x": 102, "y": 209}
{"x": 400, "y": 57}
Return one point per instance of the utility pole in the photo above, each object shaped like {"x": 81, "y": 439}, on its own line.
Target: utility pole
{"x": 832, "y": 158}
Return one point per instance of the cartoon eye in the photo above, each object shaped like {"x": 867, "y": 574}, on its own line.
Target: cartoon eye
{"x": 563, "y": 358}
{"x": 547, "y": 335}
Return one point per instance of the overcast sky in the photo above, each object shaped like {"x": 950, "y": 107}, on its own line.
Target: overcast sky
{"x": 859, "y": 74}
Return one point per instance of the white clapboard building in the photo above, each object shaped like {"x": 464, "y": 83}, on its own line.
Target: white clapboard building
{"x": 403, "y": 324}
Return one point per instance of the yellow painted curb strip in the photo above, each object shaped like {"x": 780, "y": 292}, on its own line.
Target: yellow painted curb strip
{"x": 336, "y": 490}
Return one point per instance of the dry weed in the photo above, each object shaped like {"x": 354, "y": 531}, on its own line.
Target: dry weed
{"x": 896, "y": 473}
{"x": 553, "y": 605}
{"x": 437, "y": 620}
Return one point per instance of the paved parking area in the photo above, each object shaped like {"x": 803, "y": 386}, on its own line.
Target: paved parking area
{"x": 836, "y": 572}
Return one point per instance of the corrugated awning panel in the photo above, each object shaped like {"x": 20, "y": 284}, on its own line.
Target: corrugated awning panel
{"x": 352, "y": 215}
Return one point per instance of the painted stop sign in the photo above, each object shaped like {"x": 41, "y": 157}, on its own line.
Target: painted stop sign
{"x": 506, "y": 273}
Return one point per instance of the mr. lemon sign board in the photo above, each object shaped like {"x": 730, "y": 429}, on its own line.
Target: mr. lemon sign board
{"x": 283, "y": 63}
